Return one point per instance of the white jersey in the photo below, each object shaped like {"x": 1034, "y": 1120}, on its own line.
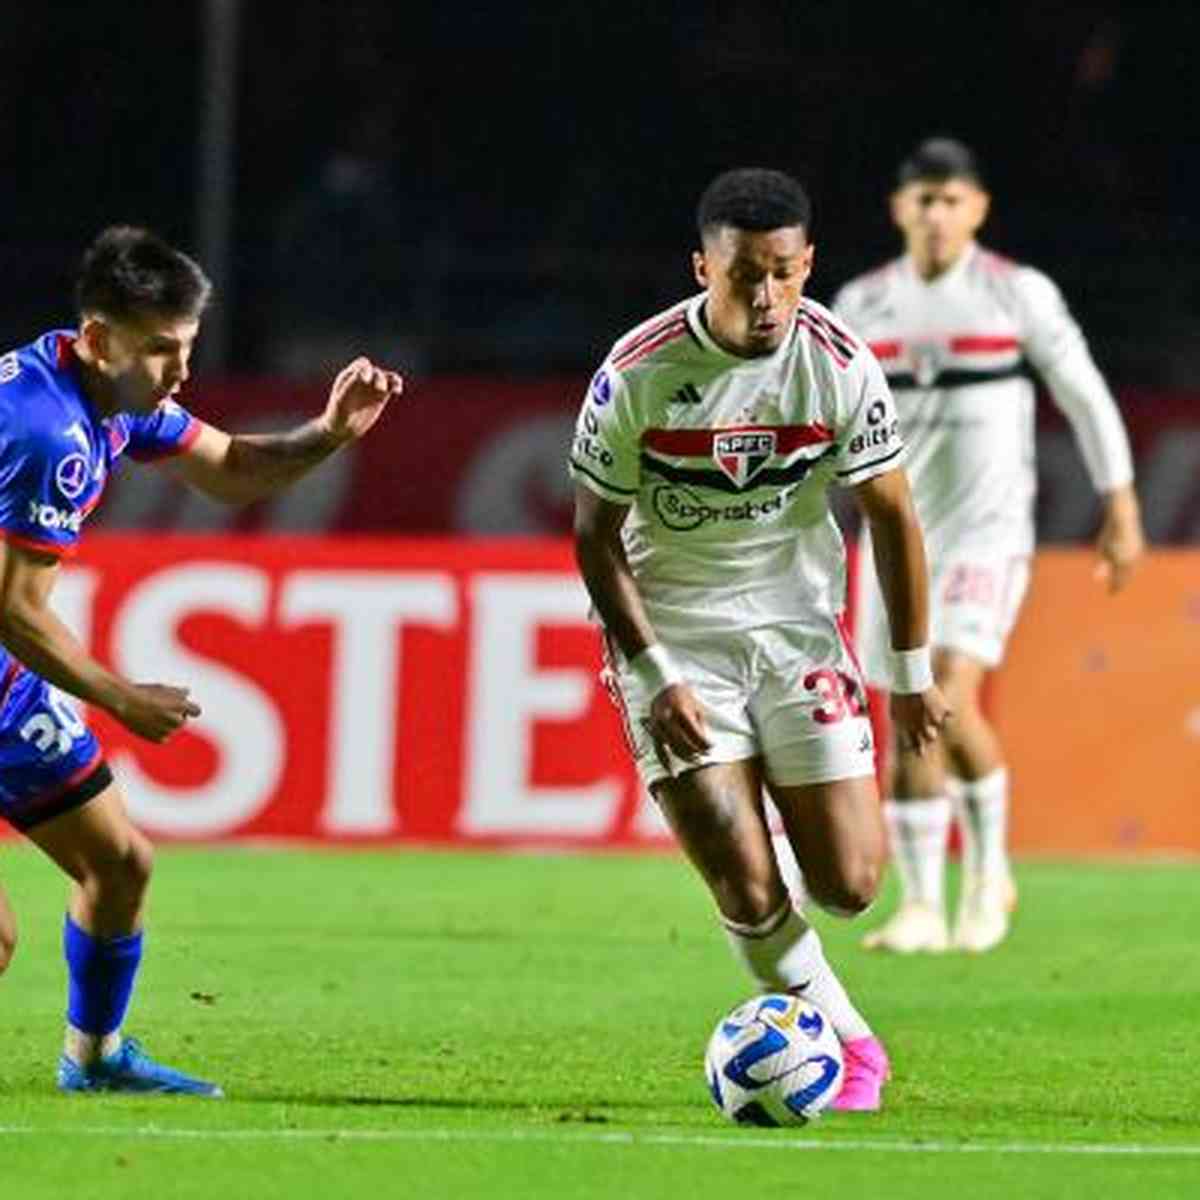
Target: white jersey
{"x": 725, "y": 462}
{"x": 957, "y": 351}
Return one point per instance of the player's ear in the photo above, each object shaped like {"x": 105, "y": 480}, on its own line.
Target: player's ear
{"x": 700, "y": 268}
{"x": 895, "y": 204}
{"x": 94, "y": 333}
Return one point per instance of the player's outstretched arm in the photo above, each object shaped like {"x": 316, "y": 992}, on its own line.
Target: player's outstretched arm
{"x": 30, "y": 630}
{"x": 242, "y": 468}
{"x": 676, "y": 717}
{"x": 918, "y": 708}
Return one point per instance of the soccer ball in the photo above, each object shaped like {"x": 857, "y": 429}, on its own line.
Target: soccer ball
{"x": 774, "y": 1060}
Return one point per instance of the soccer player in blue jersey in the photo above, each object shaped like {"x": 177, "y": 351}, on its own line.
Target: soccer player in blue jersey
{"x": 71, "y": 403}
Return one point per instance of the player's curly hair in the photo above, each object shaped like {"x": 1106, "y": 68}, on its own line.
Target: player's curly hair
{"x": 939, "y": 159}
{"x": 753, "y": 198}
{"x": 128, "y": 271}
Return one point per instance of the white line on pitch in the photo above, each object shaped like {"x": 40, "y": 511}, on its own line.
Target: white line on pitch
{"x": 782, "y": 1141}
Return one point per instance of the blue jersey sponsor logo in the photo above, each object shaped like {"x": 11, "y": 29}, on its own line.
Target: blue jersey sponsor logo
{"x": 601, "y": 388}
{"x": 71, "y": 475}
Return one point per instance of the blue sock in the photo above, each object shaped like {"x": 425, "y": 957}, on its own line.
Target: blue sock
{"x": 102, "y": 971}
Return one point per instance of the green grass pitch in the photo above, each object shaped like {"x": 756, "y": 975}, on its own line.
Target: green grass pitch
{"x": 464, "y": 1025}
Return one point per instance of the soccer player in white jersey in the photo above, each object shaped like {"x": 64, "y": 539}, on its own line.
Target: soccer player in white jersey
{"x": 957, "y": 330}
{"x": 702, "y": 456}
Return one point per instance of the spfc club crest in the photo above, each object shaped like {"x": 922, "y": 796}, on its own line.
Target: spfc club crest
{"x": 928, "y": 359}
{"x": 742, "y": 455}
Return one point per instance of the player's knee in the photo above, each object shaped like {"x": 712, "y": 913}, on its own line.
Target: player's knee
{"x": 748, "y": 901}
{"x": 139, "y": 863}
{"x": 850, "y": 891}
{"x": 122, "y": 876}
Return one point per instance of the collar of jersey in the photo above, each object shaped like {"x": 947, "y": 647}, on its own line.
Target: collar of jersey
{"x": 964, "y": 261}
{"x": 700, "y": 332}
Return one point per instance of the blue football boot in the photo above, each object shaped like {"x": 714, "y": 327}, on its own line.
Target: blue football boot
{"x": 130, "y": 1069}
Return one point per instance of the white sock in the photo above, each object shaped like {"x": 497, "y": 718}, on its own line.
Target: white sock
{"x": 784, "y": 955}
{"x": 981, "y": 807}
{"x": 918, "y": 830}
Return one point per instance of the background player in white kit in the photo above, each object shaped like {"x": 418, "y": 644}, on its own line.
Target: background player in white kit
{"x": 957, "y": 329}
{"x": 702, "y": 457}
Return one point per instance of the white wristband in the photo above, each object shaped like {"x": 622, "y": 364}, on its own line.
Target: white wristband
{"x": 912, "y": 671}
{"x": 654, "y": 669}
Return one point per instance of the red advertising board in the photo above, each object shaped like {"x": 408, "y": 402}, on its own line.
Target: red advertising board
{"x": 380, "y": 690}
{"x": 361, "y": 689}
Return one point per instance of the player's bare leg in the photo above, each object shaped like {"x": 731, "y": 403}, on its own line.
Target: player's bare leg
{"x": 8, "y": 932}
{"x": 109, "y": 863}
{"x": 717, "y": 813}
{"x": 837, "y": 837}
{"x": 980, "y": 801}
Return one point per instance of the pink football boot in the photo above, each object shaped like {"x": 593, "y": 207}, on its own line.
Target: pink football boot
{"x": 867, "y": 1070}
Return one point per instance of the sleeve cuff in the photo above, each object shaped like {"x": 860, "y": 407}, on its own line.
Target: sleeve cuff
{"x": 609, "y": 491}
{"x": 57, "y": 549}
{"x": 184, "y": 443}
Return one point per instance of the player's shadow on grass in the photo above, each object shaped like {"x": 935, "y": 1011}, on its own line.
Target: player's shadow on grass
{"x": 333, "y": 1100}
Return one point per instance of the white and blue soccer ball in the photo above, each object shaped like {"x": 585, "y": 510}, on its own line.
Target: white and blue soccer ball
{"x": 774, "y": 1060}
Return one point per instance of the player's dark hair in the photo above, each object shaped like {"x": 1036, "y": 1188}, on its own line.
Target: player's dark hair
{"x": 129, "y": 271}
{"x": 753, "y": 198}
{"x": 939, "y": 159}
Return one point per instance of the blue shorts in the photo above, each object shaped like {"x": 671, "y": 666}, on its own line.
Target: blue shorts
{"x": 50, "y": 761}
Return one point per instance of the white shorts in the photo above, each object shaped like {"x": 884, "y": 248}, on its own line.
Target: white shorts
{"x": 975, "y": 594}
{"x": 794, "y": 697}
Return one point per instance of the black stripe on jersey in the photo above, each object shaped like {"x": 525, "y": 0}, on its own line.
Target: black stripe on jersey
{"x": 839, "y": 337}
{"x": 719, "y": 481}
{"x": 875, "y": 462}
{"x": 958, "y": 377}
{"x": 612, "y": 487}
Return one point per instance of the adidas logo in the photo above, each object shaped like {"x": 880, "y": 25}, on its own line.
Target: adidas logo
{"x": 865, "y": 744}
{"x": 686, "y": 395}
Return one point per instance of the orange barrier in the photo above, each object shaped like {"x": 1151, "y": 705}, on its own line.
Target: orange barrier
{"x": 1098, "y": 705}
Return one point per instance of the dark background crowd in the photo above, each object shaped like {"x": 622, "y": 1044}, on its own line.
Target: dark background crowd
{"x": 509, "y": 186}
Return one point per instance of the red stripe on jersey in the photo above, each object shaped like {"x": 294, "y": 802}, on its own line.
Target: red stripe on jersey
{"x": 698, "y": 443}
{"x": 74, "y": 779}
{"x": 886, "y": 349}
{"x": 632, "y": 341}
{"x": 983, "y": 344}
{"x": 11, "y": 675}
{"x": 669, "y": 334}
{"x": 822, "y": 338}
{"x": 27, "y": 543}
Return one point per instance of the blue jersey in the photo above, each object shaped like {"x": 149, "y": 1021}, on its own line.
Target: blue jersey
{"x": 56, "y": 455}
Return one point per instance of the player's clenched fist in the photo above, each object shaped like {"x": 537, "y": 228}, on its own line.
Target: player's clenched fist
{"x": 919, "y": 718}
{"x": 156, "y": 710}
{"x": 358, "y": 396}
